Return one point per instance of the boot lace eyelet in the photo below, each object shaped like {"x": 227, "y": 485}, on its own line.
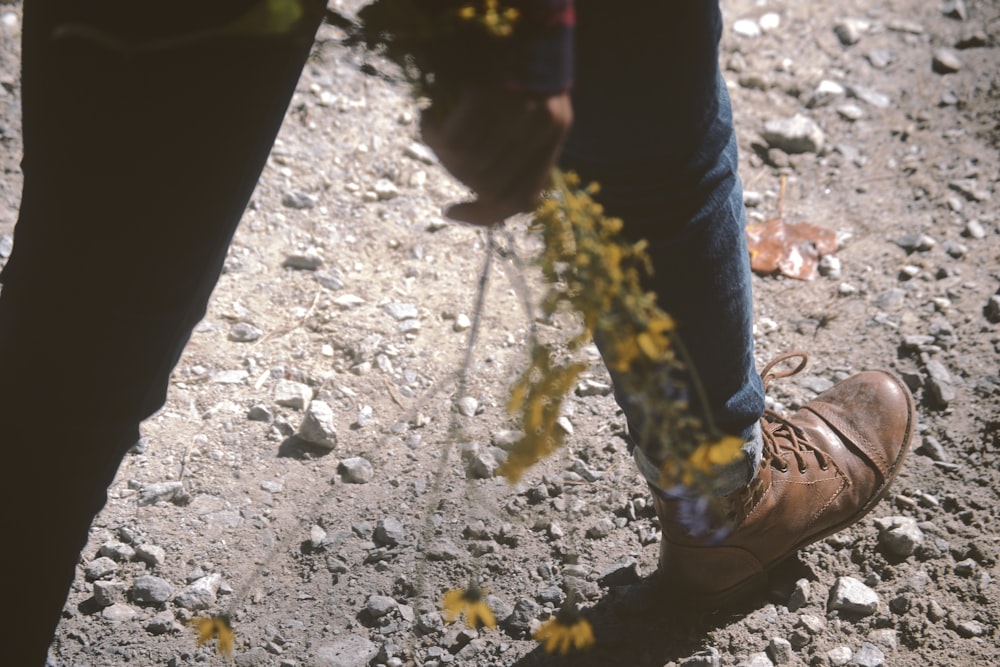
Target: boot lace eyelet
{"x": 803, "y": 469}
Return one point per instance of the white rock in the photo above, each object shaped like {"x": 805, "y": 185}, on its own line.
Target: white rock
{"x": 318, "y": 426}
{"x": 356, "y": 470}
{"x": 746, "y": 28}
{"x": 798, "y": 134}
{"x": 467, "y": 406}
{"x": 385, "y": 189}
{"x": 850, "y": 595}
{"x": 292, "y": 394}
{"x": 899, "y": 535}
{"x": 200, "y": 594}
{"x": 769, "y": 21}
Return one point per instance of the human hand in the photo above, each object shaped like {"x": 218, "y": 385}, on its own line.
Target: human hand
{"x": 503, "y": 145}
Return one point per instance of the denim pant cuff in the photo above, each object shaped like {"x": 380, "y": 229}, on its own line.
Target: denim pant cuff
{"x": 728, "y": 478}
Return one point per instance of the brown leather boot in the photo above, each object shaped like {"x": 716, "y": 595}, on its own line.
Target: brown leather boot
{"x": 823, "y": 468}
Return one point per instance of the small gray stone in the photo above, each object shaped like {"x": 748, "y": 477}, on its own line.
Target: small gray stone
{"x": 304, "y": 261}
{"x": 200, "y": 594}
{"x": 966, "y": 568}
{"x": 868, "y": 655}
{"x": 467, "y": 406}
{"x": 780, "y": 650}
{"x": 401, "y": 311}
{"x": 385, "y": 189}
{"x": 939, "y": 386}
{"x": 242, "y": 332}
{"x": 272, "y": 486}
{"x": 100, "y": 568}
{"x": 291, "y": 394}
{"x": 298, "y": 200}
{"x": 839, "y": 656}
{"x": 602, "y": 528}
{"x": 162, "y": 623}
{"x": 825, "y": 93}
{"x": 899, "y": 535}
{"x": 118, "y": 551}
{"x": 420, "y": 152}
{"x": 798, "y": 134}
{"x": 442, "y": 550}
{"x": 974, "y": 230}
{"x": 916, "y": 242}
{"x": 107, "y": 593}
{"x": 849, "y": 31}
{"x": 707, "y": 658}
{"x": 260, "y": 413}
{"x": 356, "y": 470}
{"x": 583, "y": 470}
{"x": 969, "y": 629}
{"x": 151, "y": 494}
{"x": 880, "y": 58}
{"x": 380, "y": 605}
{"x": 851, "y": 112}
{"x": 955, "y": 9}
{"x": 970, "y": 189}
{"x": 151, "y": 554}
{"x": 812, "y": 624}
{"x": 992, "y": 310}
{"x": 850, "y": 595}
{"x": 830, "y": 267}
{"x": 892, "y": 299}
{"x": 884, "y": 637}
{"x": 317, "y": 537}
{"x": 230, "y": 377}
{"x": 351, "y": 651}
{"x": 389, "y": 532}
{"x": 870, "y": 97}
{"x": 800, "y": 595}
{"x": 148, "y": 589}
{"x": 318, "y": 426}
{"x": 483, "y": 464}
{"x": 119, "y": 613}
{"x": 945, "y": 61}
{"x": 757, "y": 660}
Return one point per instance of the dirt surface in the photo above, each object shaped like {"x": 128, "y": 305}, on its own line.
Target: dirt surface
{"x": 318, "y": 570}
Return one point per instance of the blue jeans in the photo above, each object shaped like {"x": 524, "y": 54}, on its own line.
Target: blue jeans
{"x": 653, "y": 125}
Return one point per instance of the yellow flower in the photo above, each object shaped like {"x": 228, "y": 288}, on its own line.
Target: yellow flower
{"x": 469, "y": 601}
{"x": 565, "y": 631}
{"x": 216, "y": 627}
{"x": 711, "y": 454}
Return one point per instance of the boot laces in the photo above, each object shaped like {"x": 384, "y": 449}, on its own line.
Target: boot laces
{"x": 783, "y": 439}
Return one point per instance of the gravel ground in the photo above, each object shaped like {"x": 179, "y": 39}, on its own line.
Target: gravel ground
{"x": 342, "y": 316}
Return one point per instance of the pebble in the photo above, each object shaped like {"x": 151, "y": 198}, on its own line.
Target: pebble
{"x": 291, "y": 394}
{"x": 401, "y": 311}
{"x": 242, "y": 332}
{"x": 230, "y": 377}
{"x": 939, "y": 386}
{"x": 969, "y": 629}
{"x": 955, "y": 9}
{"x": 880, "y": 58}
{"x": 107, "y": 593}
{"x": 385, "y": 189}
{"x": 380, "y": 605}
{"x": 974, "y": 230}
{"x": 899, "y": 535}
{"x": 161, "y": 623}
{"x": 769, "y": 21}
{"x": 868, "y": 655}
{"x": 916, "y": 242}
{"x": 870, "y": 97}
{"x": 830, "y": 267}
{"x": 200, "y": 594}
{"x": 838, "y": 656}
{"x": 483, "y": 464}
{"x": 318, "y": 426}
{"x": 708, "y": 658}
{"x": 602, "y": 528}
{"x": 992, "y": 309}
{"x": 151, "y": 554}
{"x": 151, "y": 494}
{"x": 260, "y": 413}
{"x": 849, "y": 31}
{"x": 118, "y": 551}
{"x": 800, "y": 595}
{"x": 306, "y": 261}
{"x": 467, "y": 406}
{"x": 298, "y": 200}
{"x": 348, "y": 301}
{"x": 850, "y": 112}
{"x": 443, "y": 550}
{"x": 850, "y": 595}
{"x": 119, "y": 612}
{"x": 389, "y": 532}
{"x": 757, "y": 660}
{"x": 826, "y": 91}
{"x": 798, "y": 134}
{"x": 780, "y": 650}
{"x": 812, "y": 624}
{"x": 148, "y": 589}
{"x": 356, "y": 470}
{"x": 351, "y": 651}
{"x": 890, "y": 299}
{"x": 420, "y": 152}
{"x": 945, "y": 61}
{"x": 746, "y": 28}
{"x": 518, "y": 623}
{"x": 462, "y": 322}
{"x": 932, "y": 448}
